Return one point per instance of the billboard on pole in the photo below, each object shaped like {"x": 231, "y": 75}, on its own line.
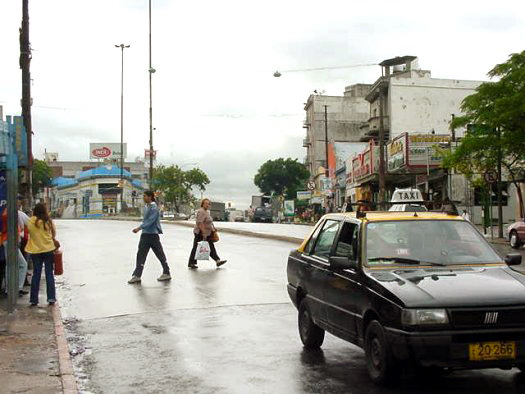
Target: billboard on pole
{"x": 106, "y": 150}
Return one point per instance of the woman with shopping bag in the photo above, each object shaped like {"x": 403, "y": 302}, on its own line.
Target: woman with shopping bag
{"x": 205, "y": 236}
{"x": 41, "y": 245}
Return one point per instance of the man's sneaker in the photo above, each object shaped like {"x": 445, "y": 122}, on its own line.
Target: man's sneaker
{"x": 164, "y": 277}
{"x": 192, "y": 266}
{"x": 221, "y": 262}
{"x": 134, "y": 279}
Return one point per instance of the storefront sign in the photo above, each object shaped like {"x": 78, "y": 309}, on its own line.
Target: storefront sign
{"x": 365, "y": 163}
{"x": 106, "y": 150}
{"x": 422, "y": 150}
{"x": 396, "y": 153}
{"x": 415, "y": 151}
{"x": 289, "y": 208}
{"x": 304, "y": 195}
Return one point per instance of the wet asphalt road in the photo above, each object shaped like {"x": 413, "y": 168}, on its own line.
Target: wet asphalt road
{"x": 227, "y": 330}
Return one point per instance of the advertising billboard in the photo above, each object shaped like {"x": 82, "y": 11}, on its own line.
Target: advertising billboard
{"x": 106, "y": 150}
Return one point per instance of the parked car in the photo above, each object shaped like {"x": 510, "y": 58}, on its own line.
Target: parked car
{"x": 181, "y": 216}
{"x": 516, "y": 233}
{"x": 168, "y": 215}
{"x": 421, "y": 289}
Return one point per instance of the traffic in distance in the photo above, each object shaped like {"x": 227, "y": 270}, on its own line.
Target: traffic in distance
{"x": 413, "y": 289}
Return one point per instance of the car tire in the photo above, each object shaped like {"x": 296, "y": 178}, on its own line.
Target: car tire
{"x": 514, "y": 240}
{"x": 312, "y": 336}
{"x": 379, "y": 360}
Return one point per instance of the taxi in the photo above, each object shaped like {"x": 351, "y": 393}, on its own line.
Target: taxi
{"x": 407, "y": 200}
{"x": 412, "y": 289}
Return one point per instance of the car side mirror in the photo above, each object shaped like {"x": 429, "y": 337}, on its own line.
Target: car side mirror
{"x": 513, "y": 259}
{"x": 342, "y": 263}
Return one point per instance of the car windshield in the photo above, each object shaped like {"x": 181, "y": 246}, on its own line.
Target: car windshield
{"x": 437, "y": 242}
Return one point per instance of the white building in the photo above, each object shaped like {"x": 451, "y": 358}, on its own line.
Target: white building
{"x": 94, "y": 192}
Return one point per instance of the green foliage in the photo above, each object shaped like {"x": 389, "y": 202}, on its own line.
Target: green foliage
{"x": 176, "y": 184}
{"x": 495, "y": 121}
{"x": 41, "y": 175}
{"x": 282, "y": 177}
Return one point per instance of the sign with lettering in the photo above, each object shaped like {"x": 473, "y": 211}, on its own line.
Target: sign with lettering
{"x": 365, "y": 163}
{"x": 422, "y": 150}
{"x": 396, "y": 153}
{"x": 108, "y": 150}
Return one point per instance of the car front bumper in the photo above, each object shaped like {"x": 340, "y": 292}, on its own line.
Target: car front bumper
{"x": 451, "y": 348}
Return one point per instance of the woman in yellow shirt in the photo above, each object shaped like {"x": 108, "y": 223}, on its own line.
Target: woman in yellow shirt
{"x": 41, "y": 246}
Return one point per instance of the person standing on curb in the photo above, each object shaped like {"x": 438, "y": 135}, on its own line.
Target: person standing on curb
{"x": 23, "y": 219}
{"x": 41, "y": 245}
{"x": 202, "y": 232}
{"x": 149, "y": 239}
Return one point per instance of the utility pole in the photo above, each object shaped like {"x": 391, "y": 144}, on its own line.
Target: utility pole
{"x": 150, "y": 71}
{"x": 25, "y": 61}
{"x": 500, "y": 203}
{"x": 327, "y": 174}
{"x": 122, "y": 46}
{"x": 327, "y": 171}
{"x": 381, "y": 151}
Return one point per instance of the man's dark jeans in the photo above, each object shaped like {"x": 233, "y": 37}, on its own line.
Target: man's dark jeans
{"x": 47, "y": 260}
{"x": 196, "y": 240}
{"x": 147, "y": 242}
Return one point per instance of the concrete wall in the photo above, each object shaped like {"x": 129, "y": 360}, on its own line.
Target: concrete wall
{"x": 419, "y": 103}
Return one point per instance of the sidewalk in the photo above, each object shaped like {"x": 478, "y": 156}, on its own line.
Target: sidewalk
{"x": 34, "y": 355}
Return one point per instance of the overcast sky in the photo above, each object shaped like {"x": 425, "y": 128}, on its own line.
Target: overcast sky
{"x": 215, "y": 101}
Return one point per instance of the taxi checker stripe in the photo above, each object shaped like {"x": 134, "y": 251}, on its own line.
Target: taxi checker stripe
{"x": 491, "y": 317}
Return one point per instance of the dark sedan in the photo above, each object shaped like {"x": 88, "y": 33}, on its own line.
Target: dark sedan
{"x": 412, "y": 289}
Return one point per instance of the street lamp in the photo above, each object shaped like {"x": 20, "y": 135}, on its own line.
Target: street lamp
{"x": 151, "y": 70}
{"x": 122, "y": 47}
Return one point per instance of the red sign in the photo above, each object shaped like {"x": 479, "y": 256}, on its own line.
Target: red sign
{"x": 101, "y": 153}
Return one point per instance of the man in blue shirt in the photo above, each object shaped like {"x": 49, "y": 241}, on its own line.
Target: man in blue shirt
{"x": 149, "y": 239}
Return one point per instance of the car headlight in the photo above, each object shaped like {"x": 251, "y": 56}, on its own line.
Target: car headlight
{"x": 423, "y": 317}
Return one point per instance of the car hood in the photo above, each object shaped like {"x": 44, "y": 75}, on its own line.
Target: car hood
{"x": 454, "y": 287}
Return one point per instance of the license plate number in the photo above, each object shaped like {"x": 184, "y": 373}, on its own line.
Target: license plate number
{"x": 489, "y": 351}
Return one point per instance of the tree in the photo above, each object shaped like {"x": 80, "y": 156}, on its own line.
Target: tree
{"x": 282, "y": 177}
{"x": 41, "y": 175}
{"x": 495, "y": 120}
{"x": 176, "y": 184}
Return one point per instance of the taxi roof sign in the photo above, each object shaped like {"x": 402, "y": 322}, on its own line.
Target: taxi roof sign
{"x": 405, "y": 196}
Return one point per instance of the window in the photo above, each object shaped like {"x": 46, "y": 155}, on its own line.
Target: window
{"x": 313, "y": 238}
{"x": 326, "y": 238}
{"x": 347, "y": 242}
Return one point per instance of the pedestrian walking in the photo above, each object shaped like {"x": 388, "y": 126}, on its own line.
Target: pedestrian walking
{"x": 149, "y": 239}
{"x": 203, "y": 232}
{"x": 41, "y": 245}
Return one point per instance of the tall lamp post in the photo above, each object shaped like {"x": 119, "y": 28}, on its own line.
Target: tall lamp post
{"x": 122, "y": 47}
{"x": 150, "y": 72}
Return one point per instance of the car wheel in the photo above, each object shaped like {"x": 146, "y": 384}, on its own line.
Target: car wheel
{"x": 379, "y": 360}
{"x": 514, "y": 240}
{"x": 312, "y": 336}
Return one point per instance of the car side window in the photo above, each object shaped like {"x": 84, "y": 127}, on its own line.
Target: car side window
{"x": 326, "y": 239}
{"x": 311, "y": 242}
{"x": 347, "y": 242}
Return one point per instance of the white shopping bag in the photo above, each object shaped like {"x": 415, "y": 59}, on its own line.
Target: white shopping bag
{"x": 203, "y": 251}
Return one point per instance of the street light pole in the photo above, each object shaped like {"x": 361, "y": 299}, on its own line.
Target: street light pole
{"x": 25, "y": 61}
{"x": 151, "y": 71}
{"x": 381, "y": 151}
{"x": 122, "y": 46}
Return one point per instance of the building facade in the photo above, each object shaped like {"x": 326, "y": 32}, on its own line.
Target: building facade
{"x": 345, "y": 115}
{"x": 94, "y": 192}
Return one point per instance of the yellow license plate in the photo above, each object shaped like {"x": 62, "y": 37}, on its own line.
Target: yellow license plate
{"x": 489, "y": 351}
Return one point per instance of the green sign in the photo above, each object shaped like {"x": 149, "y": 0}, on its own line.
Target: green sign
{"x": 289, "y": 208}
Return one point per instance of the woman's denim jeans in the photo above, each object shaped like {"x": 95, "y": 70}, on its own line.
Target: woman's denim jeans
{"x": 47, "y": 260}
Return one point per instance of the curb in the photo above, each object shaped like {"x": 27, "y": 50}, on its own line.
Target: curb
{"x": 67, "y": 374}
{"x": 247, "y": 233}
